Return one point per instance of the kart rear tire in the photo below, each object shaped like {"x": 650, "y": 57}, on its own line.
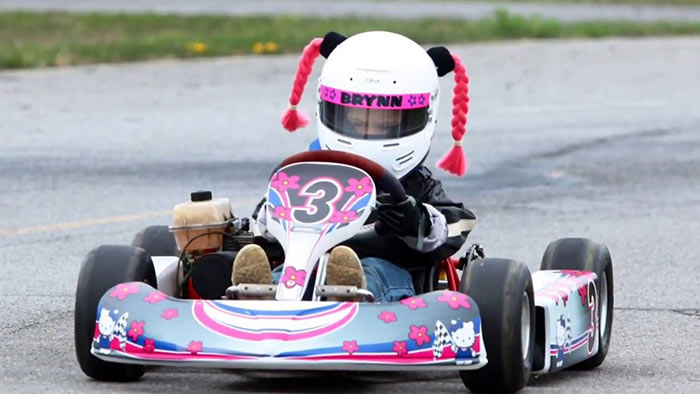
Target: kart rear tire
{"x": 502, "y": 289}
{"x": 586, "y": 255}
{"x": 156, "y": 241}
{"x": 104, "y": 267}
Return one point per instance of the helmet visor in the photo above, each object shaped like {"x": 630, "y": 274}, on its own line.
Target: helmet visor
{"x": 368, "y": 116}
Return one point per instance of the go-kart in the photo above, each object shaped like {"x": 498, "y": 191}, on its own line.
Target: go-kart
{"x": 487, "y": 318}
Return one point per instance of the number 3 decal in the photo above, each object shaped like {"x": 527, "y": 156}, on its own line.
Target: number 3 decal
{"x": 593, "y": 308}
{"x": 321, "y": 195}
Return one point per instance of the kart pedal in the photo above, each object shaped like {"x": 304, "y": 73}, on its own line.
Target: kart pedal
{"x": 344, "y": 292}
{"x": 250, "y": 290}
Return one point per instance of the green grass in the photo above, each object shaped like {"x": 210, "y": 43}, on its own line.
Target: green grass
{"x": 51, "y": 39}
{"x": 623, "y": 2}
{"x": 629, "y": 2}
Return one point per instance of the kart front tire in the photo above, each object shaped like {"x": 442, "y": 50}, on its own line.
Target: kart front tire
{"x": 585, "y": 255}
{"x": 103, "y": 268}
{"x": 156, "y": 241}
{"x": 503, "y": 291}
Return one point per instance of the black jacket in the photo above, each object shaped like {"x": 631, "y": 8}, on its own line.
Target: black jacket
{"x": 424, "y": 189}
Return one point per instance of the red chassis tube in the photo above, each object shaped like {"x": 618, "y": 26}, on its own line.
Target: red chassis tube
{"x": 449, "y": 266}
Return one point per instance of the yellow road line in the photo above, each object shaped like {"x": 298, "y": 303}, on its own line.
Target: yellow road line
{"x": 99, "y": 221}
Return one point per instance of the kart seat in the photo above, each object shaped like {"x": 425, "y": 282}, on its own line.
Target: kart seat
{"x": 425, "y": 279}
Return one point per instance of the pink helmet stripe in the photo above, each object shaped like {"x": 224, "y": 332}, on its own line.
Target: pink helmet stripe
{"x": 374, "y": 101}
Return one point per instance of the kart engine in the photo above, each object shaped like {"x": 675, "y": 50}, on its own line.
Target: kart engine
{"x": 199, "y": 224}
{"x": 206, "y": 233}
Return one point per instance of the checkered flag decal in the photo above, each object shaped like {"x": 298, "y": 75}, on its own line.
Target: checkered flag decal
{"x": 119, "y": 331}
{"x": 442, "y": 339}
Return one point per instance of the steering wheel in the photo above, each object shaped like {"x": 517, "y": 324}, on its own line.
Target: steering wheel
{"x": 384, "y": 179}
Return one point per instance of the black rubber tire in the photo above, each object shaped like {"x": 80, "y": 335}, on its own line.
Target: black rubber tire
{"x": 498, "y": 287}
{"x": 156, "y": 241}
{"x": 585, "y": 255}
{"x": 104, "y": 267}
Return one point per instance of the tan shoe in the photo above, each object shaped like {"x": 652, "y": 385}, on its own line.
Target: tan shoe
{"x": 344, "y": 269}
{"x": 251, "y": 266}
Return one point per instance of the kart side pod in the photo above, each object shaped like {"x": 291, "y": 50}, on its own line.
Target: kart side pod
{"x": 139, "y": 324}
{"x": 567, "y": 316}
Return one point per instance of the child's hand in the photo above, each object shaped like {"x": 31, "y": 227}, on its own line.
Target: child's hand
{"x": 402, "y": 218}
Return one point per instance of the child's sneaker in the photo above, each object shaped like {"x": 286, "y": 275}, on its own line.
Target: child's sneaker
{"x": 344, "y": 269}
{"x": 251, "y": 266}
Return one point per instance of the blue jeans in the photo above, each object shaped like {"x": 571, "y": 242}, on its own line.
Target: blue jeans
{"x": 385, "y": 280}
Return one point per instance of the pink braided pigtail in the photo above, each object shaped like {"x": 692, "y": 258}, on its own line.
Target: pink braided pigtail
{"x": 292, "y": 119}
{"x": 455, "y": 161}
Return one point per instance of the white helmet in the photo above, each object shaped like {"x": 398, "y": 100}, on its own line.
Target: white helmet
{"x": 378, "y": 97}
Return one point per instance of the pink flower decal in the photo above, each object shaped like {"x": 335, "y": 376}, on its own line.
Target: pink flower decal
{"x": 292, "y": 277}
{"x": 419, "y": 334}
{"x": 149, "y": 345}
{"x": 136, "y": 330}
{"x": 154, "y": 297}
{"x": 414, "y": 303}
{"x": 282, "y": 213}
{"x": 282, "y": 182}
{"x": 123, "y": 290}
{"x": 194, "y": 347}
{"x": 343, "y": 217}
{"x": 455, "y": 300}
{"x": 583, "y": 293}
{"x": 400, "y": 348}
{"x": 387, "y": 317}
{"x": 361, "y": 187}
{"x": 350, "y": 346}
{"x": 169, "y": 314}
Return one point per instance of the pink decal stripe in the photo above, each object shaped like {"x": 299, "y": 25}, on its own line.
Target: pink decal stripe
{"x": 552, "y": 297}
{"x": 416, "y": 357}
{"x": 578, "y": 346}
{"x": 374, "y": 101}
{"x": 203, "y": 318}
{"x": 421, "y": 357}
{"x": 574, "y": 346}
{"x": 288, "y": 326}
{"x": 564, "y": 286}
{"x": 138, "y": 352}
{"x": 340, "y": 307}
{"x": 352, "y": 201}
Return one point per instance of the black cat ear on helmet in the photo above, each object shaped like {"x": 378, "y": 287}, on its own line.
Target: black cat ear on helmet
{"x": 330, "y": 41}
{"x": 444, "y": 63}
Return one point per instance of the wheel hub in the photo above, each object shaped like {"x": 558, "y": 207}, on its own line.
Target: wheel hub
{"x": 603, "y": 303}
{"x": 525, "y": 325}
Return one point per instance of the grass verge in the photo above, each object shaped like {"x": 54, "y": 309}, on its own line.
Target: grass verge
{"x": 619, "y": 2}
{"x": 57, "y": 39}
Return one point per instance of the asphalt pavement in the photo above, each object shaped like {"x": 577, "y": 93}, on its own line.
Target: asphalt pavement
{"x": 599, "y": 139}
{"x": 377, "y": 8}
